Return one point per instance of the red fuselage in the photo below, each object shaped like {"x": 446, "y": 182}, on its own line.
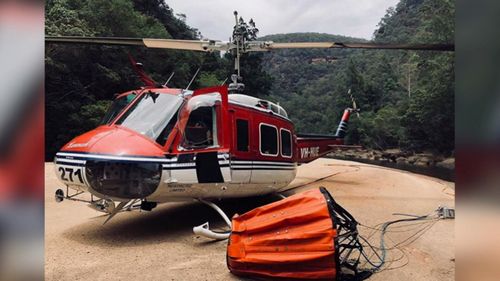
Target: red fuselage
{"x": 169, "y": 144}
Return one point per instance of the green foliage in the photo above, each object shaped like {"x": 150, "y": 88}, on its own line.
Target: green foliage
{"x": 117, "y": 18}
{"x": 159, "y": 10}
{"x": 208, "y": 80}
{"x": 62, "y": 20}
{"x": 429, "y": 121}
{"x": 257, "y": 81}
{"x": 89, "y": 116}
{"x": 379, "y": 130}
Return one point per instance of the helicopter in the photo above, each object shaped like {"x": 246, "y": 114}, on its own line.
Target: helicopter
{"x": 160, "y": 144}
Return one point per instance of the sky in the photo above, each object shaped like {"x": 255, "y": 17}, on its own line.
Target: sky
{"x": 215, "y": 19}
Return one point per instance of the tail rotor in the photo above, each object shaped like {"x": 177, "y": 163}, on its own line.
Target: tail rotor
{"x": 342, "y": 128}
{"x": 354, "y": 105}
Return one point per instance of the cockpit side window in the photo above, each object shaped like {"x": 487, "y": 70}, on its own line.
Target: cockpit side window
{"x": 116, "y": 107}
{"x": 201, "y": 128}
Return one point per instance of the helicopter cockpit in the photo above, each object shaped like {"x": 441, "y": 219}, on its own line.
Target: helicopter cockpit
{"x": 155, "y": 114}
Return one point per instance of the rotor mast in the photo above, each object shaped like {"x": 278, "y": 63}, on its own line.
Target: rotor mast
{"x": 238, "y": 40}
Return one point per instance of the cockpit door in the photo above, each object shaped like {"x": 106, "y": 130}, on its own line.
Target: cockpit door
{"x": 204, "y": 134}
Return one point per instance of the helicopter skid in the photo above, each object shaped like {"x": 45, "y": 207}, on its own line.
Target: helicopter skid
{"x": 174, "y": 193}
{"x": 101, "y": 205}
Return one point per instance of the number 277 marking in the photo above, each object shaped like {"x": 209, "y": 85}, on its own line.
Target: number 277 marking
{"x": 70, "y": 172}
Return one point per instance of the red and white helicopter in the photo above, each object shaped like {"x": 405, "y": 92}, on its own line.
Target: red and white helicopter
{"x": 160, "y": 144}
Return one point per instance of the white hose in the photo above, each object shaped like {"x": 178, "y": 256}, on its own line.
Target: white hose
{"x": 204, "y": 230}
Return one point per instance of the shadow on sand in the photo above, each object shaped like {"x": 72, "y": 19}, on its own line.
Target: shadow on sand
{"x": 171, "y": 222}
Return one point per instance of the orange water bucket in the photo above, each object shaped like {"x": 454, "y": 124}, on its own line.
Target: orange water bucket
{"x": 293, "y": 239}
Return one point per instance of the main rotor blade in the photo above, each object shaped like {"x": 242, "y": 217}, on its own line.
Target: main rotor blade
{"x": 303, "y": 45}
{"x": 120, "y": 41}
{"x": 211, "y": 45}
{"x": 191, "y": 45}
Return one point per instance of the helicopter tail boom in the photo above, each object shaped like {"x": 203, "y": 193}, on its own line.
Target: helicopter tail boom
{"x": 313, "y": 146}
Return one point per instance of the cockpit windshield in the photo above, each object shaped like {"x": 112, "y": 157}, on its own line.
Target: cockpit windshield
{"x": 153, "y": 115}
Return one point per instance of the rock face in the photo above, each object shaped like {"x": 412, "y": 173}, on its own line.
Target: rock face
{"x": 448, "y": 163}
{"x": 424, "y": 160}
{"x": 400, "y": 160}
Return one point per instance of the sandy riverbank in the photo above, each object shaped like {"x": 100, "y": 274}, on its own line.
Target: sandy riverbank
{"x": 159, "y": 245}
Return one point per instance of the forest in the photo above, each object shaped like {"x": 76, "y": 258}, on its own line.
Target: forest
{"x": 406, "y": 98}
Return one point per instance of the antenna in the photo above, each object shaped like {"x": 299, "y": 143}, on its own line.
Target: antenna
{"x": 168, "y": 80}
{"x": 192, "y": 79}
{"x": 223, "y": 82}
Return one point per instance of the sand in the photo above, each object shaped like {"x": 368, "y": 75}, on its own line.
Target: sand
{"x": 160, "y": 245}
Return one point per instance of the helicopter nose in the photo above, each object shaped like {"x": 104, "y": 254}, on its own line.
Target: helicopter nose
{"x": 114, "y": 140}
{"x": 113, "y": 162}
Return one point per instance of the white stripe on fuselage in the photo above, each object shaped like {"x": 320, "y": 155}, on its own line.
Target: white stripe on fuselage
{"x": 70, "y": 160}
{"x": 111, "y": 157}
{"x": 224, "y": 156}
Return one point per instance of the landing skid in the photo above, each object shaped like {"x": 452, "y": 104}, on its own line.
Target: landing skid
{"x": 100, "y": 205}
{"x": 105, "y": 205}
{"x": 108, "y": 206}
